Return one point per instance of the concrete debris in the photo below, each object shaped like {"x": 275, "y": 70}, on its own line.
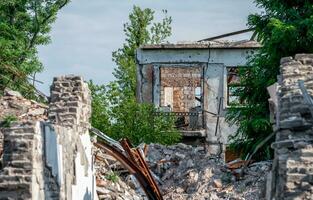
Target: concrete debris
{"x": 218, "y": 183}
{"x": 182, "y": 171}
{"x": 8, "y": 92}
{"x": 113, "y": 182}
{"x": 13, "y": 104}
{"x": 195, "y": 174}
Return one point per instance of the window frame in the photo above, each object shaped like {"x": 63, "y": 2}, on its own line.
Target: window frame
{"x": 226, "y": 87}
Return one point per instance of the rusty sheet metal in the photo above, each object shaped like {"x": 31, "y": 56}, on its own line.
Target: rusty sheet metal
{"x": 136, "y": 156}
{"x": 236, "y": 164}
{"x": 132, "y": 167}
{"x": 132, "y": 159}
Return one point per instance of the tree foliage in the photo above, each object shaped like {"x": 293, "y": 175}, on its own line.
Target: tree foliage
{"x": 24, "y": 24}
{"x": 121, "y": 115}
{"x": 138, "y": 31}
{"x": 284, "y": 29}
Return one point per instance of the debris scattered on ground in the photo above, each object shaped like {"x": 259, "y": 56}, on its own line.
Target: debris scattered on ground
{"x": 182, "y": 171}
{"x": 189, "y": 172}
{"x": 14, "y": 104}
{"x": 114, "y": 182}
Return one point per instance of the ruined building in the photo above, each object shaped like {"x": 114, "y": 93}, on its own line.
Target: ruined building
{"x": 47, "y": 153}
{"x": 196, "y": 83}
{"x": 291, "y": 176}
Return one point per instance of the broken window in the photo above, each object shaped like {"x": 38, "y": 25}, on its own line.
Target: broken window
{"x": 233, "y": 85}
{"x": 181, "y": 94}
{"x": 180, "y": 88}
{"x": 198, "y": 97}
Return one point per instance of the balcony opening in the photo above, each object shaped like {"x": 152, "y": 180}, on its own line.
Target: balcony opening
{"x": 181, "y": 95}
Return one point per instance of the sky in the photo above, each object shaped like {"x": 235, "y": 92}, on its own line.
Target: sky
{"x": 88, "y": 31}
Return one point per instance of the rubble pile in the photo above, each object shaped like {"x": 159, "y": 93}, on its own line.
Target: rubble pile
{"x": 14, "y": 104}
{"x": 188, "y": 172}
{"x": 182, "y": 171}
{"x": 113, "y": 182}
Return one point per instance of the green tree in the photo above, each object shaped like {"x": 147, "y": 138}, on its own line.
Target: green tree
{"x": 284, "y": 29}
{"x": 24, "y": 25}
{"x": 100, "y": 105}
{"x": 126, "y": 117}
{"x": 138, "y": 31}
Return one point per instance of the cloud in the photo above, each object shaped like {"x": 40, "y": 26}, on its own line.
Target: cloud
{"x": 87, "y": 31}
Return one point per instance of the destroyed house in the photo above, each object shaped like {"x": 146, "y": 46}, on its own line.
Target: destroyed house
{"x": 196, "y": 83}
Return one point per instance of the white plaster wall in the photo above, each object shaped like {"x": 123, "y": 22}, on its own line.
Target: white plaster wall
{"x": 85, "y": 188}
{"x": 37, "y": 175}
{"x": 216, "y": 85}
{"x": 53, "y": 153}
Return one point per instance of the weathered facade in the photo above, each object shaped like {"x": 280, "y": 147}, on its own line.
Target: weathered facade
{"x": 291, "y": 176}
{"x": 195, "y": 81}
{"x": 51, "y": 159}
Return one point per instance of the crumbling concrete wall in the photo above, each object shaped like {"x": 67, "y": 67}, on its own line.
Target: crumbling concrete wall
{"x": 292, "y": 167}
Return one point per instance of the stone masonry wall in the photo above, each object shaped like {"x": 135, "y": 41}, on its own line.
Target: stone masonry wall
{"x": 293, "y": 163}
{"x": 69, "y": 113}
{"x": 30, "y": 169}
{"x": 19, "y": 175}
{"x": 70, "y": 103}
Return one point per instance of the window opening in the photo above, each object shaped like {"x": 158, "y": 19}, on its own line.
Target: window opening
{"x": 233, "y": 86}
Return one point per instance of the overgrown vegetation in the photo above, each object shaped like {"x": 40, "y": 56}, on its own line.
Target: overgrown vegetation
{"x": 115, "y": 109}
{"x": 112, "y": 176}
{"x": 24, "y": 25}
{"x": 8, "y": 120}
{"x": 284, "y": 29}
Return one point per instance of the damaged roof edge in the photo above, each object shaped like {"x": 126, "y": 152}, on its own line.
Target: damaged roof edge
{"x": 244, "y": 44}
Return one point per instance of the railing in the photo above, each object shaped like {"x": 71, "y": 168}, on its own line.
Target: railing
{"x": 185, "y": 120}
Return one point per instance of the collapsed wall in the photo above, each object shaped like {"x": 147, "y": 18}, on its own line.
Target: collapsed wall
{"x": 69, "y": 113}
{"x": 51, "y": 159}
{"x": 292, "y": 166}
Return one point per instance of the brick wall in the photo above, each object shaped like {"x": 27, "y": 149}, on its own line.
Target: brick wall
{"x": 183, "y": 81}
{"x": 292, "y": 167}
